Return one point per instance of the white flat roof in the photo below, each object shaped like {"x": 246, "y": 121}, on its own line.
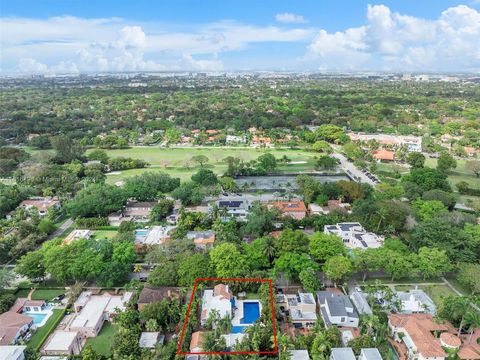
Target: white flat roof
{"x": 91, "y": 312}
{"x": 11, "y": 352}
{"x": 61, "y": 340}
{"x": 149, "y": 339}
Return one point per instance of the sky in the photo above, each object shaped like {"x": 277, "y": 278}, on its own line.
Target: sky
{"x": 77, "y": 36}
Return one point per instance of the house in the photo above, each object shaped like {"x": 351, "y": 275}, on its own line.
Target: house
{"x": 93, "y": 310}
{"x": 24, "y": 305}
{"x": 299, "y": 355}
{"x": 259, "y": 141}
{"x": 77, "y": 234}
{"x": 384, "y": 155}
{"x": 370, "y": 354}
{"x": 136, "y": 211}
{"x": 359, "y": 299}
{"x": 301, "y": 306}
{"x": 235, "y": 207}
{"x": 196, "y": 342}
{"x": 219, "y": 299}
{"x": 232, "y": 139}
{"x": 354, "y": 235}
{"x": 202, "y": 239}
{"x": 12, "y": 352}
{"x": 150, "y": 295}
{"x": 332, "y": 205}
{"x": 421, "y": 335}
{"x": 12, "y": 326}
{"x": 42, "y": 205}
{"x": 337, "y": 309}
{"x": 342, "y": 354}
{"x": 412, "y": 143}
{"x": 155, "y": 236}
{"x": 293, "y": 209}
{"x": 63, "y": 342}
{"x": 149, "y": 340}
{"x": 416, "y": 301}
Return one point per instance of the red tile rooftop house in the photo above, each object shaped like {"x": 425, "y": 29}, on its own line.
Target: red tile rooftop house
{"x": 384, "y": 155}
{"x": 293, "y": 209}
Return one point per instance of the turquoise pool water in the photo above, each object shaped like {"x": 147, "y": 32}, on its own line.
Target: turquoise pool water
{"x": 37, "y": 317}
{"x": 251, "y": 312}
{"x": 141, "y": 232}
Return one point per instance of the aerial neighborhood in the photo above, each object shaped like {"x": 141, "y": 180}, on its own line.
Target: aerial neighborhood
{"x": 197, "y": 216}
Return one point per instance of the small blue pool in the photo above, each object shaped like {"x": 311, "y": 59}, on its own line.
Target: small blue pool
{"x": 238, "y": 329}
{"x": 251, "y": 312}
{"x": 37, "y": 317}
{"x": 141, "y": 232}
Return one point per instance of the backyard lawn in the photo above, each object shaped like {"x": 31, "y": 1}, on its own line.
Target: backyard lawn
{"x": 104, "y": 234}
{"x": 176, "y": 161}
{"x": 103, "y": 342}
{"x": 47, "y": 294}
{"x": 42, "y": 333}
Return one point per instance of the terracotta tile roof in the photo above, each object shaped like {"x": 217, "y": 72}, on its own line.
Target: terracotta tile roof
{"x": 197, "y": 340}
{"x": 39, "y": 204}
{"x": 450, "y": 340}
{"x": 10, "y": 323}
{"x": 384, "y": 155}
{"x": 468, "y": 353}
{"x": 420, "y": 327}
{"x": 290, "y": 206}
{"x": 222, "y": 290}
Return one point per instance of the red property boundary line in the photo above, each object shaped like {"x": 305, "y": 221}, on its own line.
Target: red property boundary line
{"x": 271, "y": 352}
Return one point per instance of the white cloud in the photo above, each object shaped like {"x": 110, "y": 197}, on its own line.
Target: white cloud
{"x": 393, "y": 41}
{"x": 290, "y": 18}
{"x": 76, "y": 44}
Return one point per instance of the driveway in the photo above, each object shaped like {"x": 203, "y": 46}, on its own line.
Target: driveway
{"x": 61, "y": 229}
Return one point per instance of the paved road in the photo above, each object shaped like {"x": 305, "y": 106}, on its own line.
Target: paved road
{"x": 353, "y": 170}
{"x": 61, "y": 229}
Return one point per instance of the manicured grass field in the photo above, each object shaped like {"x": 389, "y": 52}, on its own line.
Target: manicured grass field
{"x": 103, "y": 342}
{"x": 460, "y": 173}
{"x": 37, "y": 340}
{"x": 47, "y": 294}
{"x": 176, "y": 161}
{"x": 104, "y": 234}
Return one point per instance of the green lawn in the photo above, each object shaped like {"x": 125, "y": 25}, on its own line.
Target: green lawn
{"x": 22, "y": 293}
{"x": 47, "y": 294}
{"x": 458, "y": 174}
{"x": 42, "y": 333}
{"x": 104, "y": 234}
{"x": 175, "y": 161}
{"x": 103, "y": 342}
{"x": 437, "y": 292}
{"x": 407, "y": 281}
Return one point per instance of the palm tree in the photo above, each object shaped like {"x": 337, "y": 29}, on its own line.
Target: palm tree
{"x": 472, "y": 318}
{"x": 269, "y": 249}
{"x": 460, "y": 309}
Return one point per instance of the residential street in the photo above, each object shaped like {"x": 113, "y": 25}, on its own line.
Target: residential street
{"x": 352, "y": 170}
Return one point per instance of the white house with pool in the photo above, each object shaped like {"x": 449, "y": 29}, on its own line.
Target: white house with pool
{"x": 243, "y": 313}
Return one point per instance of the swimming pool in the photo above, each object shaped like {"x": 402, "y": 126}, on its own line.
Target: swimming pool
{"x": 141, "y": 232}
{"x": 251, "y": 312}
{"x": 237, "y": 329}
{"x": 39, "y": 319}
